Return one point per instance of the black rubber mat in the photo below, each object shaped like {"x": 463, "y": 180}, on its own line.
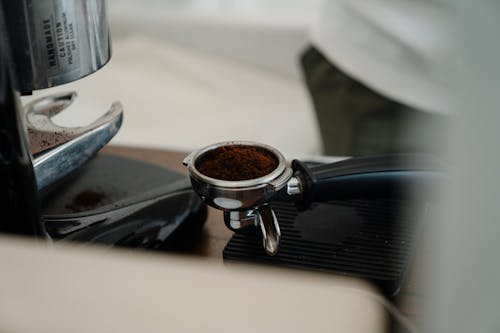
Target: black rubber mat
{"x": 362, "y": 238}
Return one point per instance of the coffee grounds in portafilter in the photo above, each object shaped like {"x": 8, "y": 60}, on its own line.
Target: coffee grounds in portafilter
{"x": 238, "y": 162}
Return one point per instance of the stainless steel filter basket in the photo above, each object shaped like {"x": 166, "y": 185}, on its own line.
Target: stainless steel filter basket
{"x": 244, "y": 202}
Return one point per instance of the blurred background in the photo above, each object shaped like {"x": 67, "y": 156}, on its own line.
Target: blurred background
{"x": 194, "y": 72}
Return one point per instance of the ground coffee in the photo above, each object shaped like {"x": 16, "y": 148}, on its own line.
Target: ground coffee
{"x": 238, "y": 162}
{"x": 86, "y": 200}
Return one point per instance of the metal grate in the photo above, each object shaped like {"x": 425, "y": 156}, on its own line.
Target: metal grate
{"x": 362, "y": 238}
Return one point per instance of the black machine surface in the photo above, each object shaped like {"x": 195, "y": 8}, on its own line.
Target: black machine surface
{"x": 134, "y": 205}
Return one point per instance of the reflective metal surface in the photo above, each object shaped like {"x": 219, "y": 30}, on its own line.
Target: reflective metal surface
{"x": 261, "y": 217}
{"x": 237, "y": 195}
{"x": 244, "y": 202}
{"x": 236, "y": 220}
{"x": 56, "y": 41}
{"x": 269, "y": 228}
{"x": 60, "y": 150}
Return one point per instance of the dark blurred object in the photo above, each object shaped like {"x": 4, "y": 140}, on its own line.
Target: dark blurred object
{"x": 355, "y": 120}
{"x": 18, "y": 192}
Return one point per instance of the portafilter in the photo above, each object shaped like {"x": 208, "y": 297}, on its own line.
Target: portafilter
{"x": 246, "y": 202}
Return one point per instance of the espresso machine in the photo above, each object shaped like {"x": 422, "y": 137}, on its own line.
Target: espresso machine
{"x": 53, "y": 184}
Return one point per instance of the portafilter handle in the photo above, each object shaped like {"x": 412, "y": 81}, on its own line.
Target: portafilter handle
{"x": 246, "y": 202}
{"x": 373, "y": 177}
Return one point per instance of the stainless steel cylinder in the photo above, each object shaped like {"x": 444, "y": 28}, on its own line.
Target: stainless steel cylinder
{"x": 56, "y": 41}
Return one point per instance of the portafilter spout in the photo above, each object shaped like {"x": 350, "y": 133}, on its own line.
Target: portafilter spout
{"x": 261, "y": 217}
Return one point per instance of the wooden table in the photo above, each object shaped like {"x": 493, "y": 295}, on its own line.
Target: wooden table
{"x": 214, "y": 236}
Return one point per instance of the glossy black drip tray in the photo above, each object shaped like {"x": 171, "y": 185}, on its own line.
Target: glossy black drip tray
{"x": 363, "y": 238}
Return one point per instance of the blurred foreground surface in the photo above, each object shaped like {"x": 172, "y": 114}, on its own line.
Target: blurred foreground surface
{"x": 68, "y": 288}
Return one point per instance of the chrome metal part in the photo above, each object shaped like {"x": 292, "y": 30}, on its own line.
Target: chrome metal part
{"x": 60, "y": 150}
{"x": 270, "y": 229}
{"x": 57, "y": 41}
{"x": 237, "y": 220}
{"x": 190, "y": 162}
{"x": 44, "y": 134}
{"x": 293, "y": 186}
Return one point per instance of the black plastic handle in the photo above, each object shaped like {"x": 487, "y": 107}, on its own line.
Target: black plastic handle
{"x": 366, "y": 177}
